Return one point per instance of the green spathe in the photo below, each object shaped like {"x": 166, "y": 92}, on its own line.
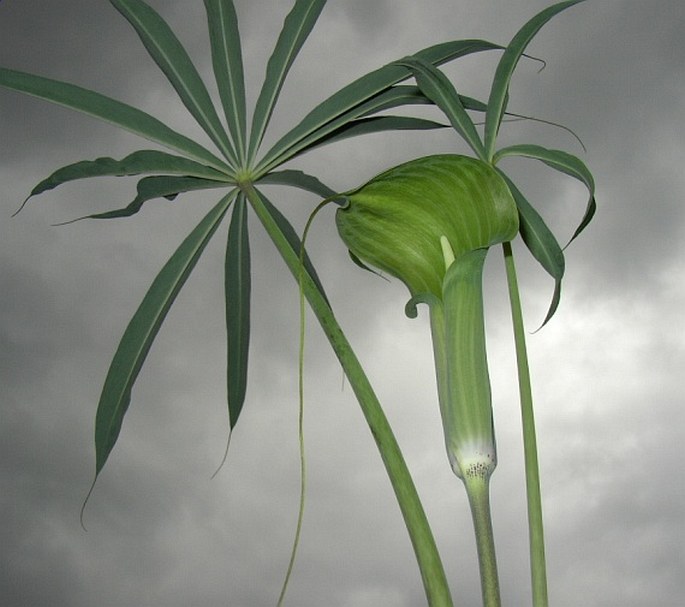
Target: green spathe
{"x": 395, "y": 222}
{"x": 461, "y": 366}
{"x": 430, "y": 222}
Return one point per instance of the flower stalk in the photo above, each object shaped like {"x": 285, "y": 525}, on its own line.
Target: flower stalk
{"x": 430, "y": 222}
{"x": 421, "y": 536}
{"x": 478, "y": 491}
{"x": 533, "y": 493}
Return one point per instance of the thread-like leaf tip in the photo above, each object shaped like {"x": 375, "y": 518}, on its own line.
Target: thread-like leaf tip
{"x": 225, "y": 457}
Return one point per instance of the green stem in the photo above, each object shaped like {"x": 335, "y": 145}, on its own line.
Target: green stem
{"x": 535, "y": 524}
{"x": 303, "y": 460}
{"x": 478, "y": 490}
{"x": 430, "y": 565}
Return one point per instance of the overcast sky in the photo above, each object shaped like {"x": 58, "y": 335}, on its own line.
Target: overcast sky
{"x": 607, "y": 371}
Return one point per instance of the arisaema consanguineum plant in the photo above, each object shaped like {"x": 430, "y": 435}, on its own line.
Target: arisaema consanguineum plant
{"x": 430, "y": 222}
{"x": 237, "y": 168}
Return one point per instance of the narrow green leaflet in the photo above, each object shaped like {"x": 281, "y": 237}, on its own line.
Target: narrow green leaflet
{"x": 412, "y": 95}
{"x": 227, "y": 60}
{"x": 402, "y": 94}
{"x": 158, "y": 186}
{"x": 168, "y": 53}
{"x": 110, "y": 110}
{"x": 137, "y": 163}
{"x": 360, "y": 91}
{"x": 142, "y": 330}
{"x": 293, "y": 239}
{"x": 375, "y": 124}
{"x": 296, "y": 28}
{"x": 540, "y": 242}
{"x": 435, "y": 85}
{"x": 390, "y": 98}
{"x": 499, "y": 92}
{"x": 563, "y": 162}
{"x": 298, "y": 179}
{"x": 393, "y": 97}
{"x": 237, "y": 287}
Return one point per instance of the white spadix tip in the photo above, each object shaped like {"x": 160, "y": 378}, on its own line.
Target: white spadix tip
{"x": 447, "y": 251}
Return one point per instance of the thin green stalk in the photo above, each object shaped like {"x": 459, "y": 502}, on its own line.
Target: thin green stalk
{"x": 300, "y": 423}
{"x": 300, "y": 436}
{"x": 430, "y": 565}
{"x": 478, "y": 490}
{"x": 535, "y": 525}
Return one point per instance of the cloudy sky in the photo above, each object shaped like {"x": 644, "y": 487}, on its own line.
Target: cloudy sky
{"x": 607, "y": 371}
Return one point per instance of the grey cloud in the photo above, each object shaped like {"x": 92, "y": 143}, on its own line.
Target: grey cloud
{"x": 160, "y": 532}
